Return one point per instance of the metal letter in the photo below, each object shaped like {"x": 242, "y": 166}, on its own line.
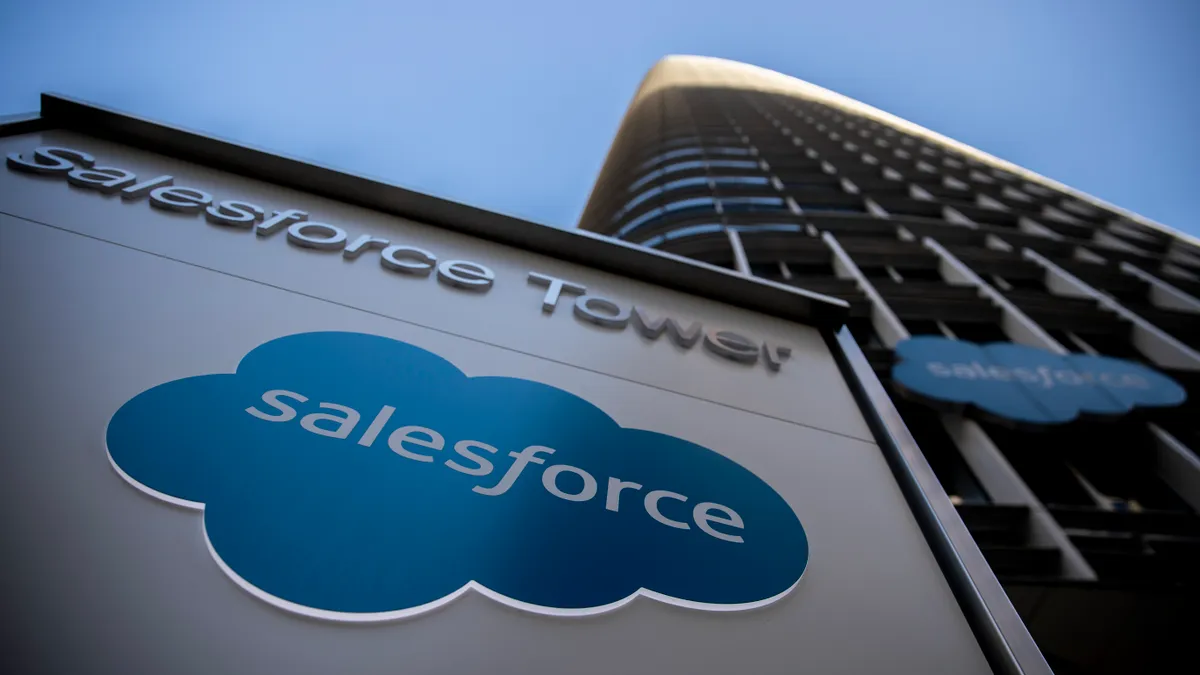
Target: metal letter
{"x": 362, "y": 244}
{"x": 280, "y": 220}
{"x": 50, "y": 160}
{"x": 106, "y": 179}
{"x": 652, "y": 329}
{"x": 233, "y": 213}
{"x": 466, "y": 275}
{"x": 420, "y": 261}
{"x": 328, "y": 237}
{"x": 179, "y": 199}
{"x": 730, "y": 345}
{"x": 775, "y": 355}
{"x": 554, "y": 288}
{"x": 602, "y": 312}
{"x": 142, "y": 189}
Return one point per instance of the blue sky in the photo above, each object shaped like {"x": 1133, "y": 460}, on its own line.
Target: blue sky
{"x": 511, "y": 106}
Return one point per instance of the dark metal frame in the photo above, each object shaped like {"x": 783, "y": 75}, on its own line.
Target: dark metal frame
{"x": 1002, "y": 635}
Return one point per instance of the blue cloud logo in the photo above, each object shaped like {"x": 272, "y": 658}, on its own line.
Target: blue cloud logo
{"x": 355, "y": 477}
{"x": 1026, "y": 384}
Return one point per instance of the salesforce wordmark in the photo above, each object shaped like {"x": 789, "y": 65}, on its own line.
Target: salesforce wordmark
{"x": 414, "y": 442}
{"x": 1026, "y": 384}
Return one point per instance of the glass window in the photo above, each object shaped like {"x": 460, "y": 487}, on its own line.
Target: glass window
{"x": 670, "y": 168}
{"x": 766, "y": 271}
{"x": 943, "y": 456}
{"x": 728, "y": 151}
{"x": 693, "y": 164}
{"x": 769, "y": 227}
{"x": 682, "y": 152}
{"x": 640, "y": 220}
{"x": 1035, "y": 189}
{"x": 731, "y": 164}
{"x": 689, "y": 204}
{"x": 682, "y": 140}
{"x": 637, "y": 184}
{"x": 692, "y": 181}
{"x": 920, "y": 273}
{"x": 812, "y": 269}
{"x": 697, "y": 204}
{"x": 839, "y": 208}
{"x": 632, "y": 203}
{"x": 681, "y": 183}
{"x": 740, "y": 180}
{"x": 744, "y": 204}
{"x": 979, "y": 333}
{"x": 692, "y": 230}
{"x": 754, "y": 199}
{"x": 923, "y": 327}
{"x": 1080, "y": 208}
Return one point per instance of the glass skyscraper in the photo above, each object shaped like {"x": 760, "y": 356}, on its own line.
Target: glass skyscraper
{"x": 1091, "y": 525}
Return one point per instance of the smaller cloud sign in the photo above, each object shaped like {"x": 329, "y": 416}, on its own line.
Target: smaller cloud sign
{"x": 1028, "y": 385}
{"x": 358, "y": 478}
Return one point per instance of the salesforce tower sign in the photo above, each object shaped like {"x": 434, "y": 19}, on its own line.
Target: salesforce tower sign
{"x": 270, "y": 417}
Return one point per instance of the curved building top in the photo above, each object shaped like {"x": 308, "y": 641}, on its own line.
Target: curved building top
{"x": 678, "y": 72}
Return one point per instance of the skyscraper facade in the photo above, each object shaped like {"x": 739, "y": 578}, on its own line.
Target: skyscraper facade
{"x": 1091, "y": 524}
